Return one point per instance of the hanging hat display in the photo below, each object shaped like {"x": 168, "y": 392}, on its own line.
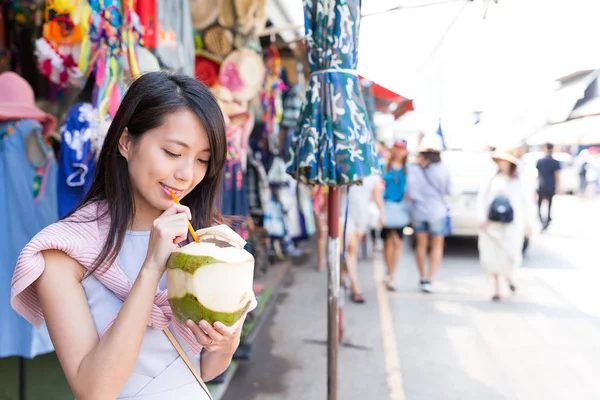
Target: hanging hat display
{"x": 252, "y": 16}
{"x": 247, "y": 17}
{"x": 218, "y": 41}
{"x": 206, "y": 71}
{"x": 204, "y": 13}
{"x": 243, "y": 72}
{"x": 229, "y": 106}
{"x": 17, "y": 101}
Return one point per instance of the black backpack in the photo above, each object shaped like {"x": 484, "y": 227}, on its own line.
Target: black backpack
{"x": 501, "y": 210}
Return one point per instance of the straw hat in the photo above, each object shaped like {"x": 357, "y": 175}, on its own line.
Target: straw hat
{"x": 218, "y": 41}
{"x": 243, "y": 72}
{"x": 227, "y": 13}
{"x": 229, "y": 106}
{"x": 504, "y": 155}
{"x": 17, "y": 101}
{"x": 245, "y": 16}
{"x": 204, "y": 12}
{"x": 431, "y": 143}
{"x": 206, "y": 71}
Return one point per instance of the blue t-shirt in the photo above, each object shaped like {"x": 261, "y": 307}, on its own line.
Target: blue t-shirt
{"x": 395, "y": 183}
{"x": 77, "y": 162}
{"x": 27, "y": 205}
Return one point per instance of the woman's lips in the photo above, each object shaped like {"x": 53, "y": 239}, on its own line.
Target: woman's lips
{"x": 168, "y": 189}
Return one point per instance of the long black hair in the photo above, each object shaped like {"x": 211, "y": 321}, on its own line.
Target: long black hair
{"x": 148, "y": 101}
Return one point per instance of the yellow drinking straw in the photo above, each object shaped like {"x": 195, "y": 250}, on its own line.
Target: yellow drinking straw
{"x": 191, "y": 229}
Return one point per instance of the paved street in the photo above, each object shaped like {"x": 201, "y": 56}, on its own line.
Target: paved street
{"x": 455, "y": 344}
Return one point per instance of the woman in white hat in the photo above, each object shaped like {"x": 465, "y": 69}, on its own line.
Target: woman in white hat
{"x": 427, "y": 187}
{"x": 505, "y": 216}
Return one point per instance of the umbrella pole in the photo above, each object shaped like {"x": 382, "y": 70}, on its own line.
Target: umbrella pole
{"x": 22, "y": 378}
{"x": 333, "y": 290}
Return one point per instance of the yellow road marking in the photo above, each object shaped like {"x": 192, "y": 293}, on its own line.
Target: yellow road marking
{"x": 392, "y": 360}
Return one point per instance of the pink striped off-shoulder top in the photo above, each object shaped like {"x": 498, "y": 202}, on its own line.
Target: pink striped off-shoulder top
{"x": 81, "y": 236}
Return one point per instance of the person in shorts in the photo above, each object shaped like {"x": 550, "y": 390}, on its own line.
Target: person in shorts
{"x": 427, "y": 186}
{"x": 357, "y": 225}
{"x": 394, "y": 177}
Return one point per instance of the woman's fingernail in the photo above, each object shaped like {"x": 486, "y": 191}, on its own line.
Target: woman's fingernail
{"x": 204, "y": 324}
{"x": 189, "y": 323}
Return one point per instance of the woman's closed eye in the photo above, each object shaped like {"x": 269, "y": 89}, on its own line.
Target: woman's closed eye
{"x": 173, "y": 155}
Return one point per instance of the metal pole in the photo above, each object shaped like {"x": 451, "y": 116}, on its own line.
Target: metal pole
{"x": 333, "y": 291}
{"x": 22, "y": 378}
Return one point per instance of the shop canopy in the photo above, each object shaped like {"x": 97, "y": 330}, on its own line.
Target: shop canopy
{"x": 386, "y": 100}
{"x": 582, "y": 131}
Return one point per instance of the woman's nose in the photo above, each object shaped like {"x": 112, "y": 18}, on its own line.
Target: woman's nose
{"x": 185, "y": 171}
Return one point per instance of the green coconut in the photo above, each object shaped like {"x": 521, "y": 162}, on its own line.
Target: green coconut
{"x": 210, "y": 281}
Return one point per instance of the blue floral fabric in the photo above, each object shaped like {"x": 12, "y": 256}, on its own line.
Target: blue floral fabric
{"x": 77, "y": 162}
{"x": 333, "y": 144}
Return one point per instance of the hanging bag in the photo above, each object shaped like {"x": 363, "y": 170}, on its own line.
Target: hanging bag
{"x": 187, "y": 361}
{"x": 396, "y": 214}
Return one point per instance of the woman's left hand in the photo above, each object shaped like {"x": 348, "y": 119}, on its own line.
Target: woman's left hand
{"x": 218, "y": 338}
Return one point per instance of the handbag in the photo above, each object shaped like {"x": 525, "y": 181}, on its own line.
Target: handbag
{"x": 187, "y": 361}
{"x": 448, "y": 228}
{"x": 395, "y": 214}
{"x": 373, "y": 213}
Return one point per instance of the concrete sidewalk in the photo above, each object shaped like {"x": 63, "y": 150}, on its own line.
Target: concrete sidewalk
{"x": 455, "y": 344}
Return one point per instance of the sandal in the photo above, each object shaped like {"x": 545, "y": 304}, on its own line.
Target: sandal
{"x": 389, "y": 284}
{"x": 357, "y": 298}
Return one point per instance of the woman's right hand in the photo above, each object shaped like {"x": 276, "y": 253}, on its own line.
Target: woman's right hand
{"x": 168, "y": 230}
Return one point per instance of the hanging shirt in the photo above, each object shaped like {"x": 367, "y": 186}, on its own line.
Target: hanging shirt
{"x": 77, "y": 162}
{"x": 28, "y": 203}
{"x": 175, "y": 46}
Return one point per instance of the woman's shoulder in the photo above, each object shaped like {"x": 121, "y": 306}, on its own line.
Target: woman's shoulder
{"x": 77, "y": 236}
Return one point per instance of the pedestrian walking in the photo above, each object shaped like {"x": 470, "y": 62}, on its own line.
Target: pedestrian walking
{"x": 396, "y": 213}
{"x": 427, "y": 187}
{"x": 382, "y": 157}
{"x": 548, "y": 183}
{"x": 356, "y": 219}
{"x": 504, "y": 211}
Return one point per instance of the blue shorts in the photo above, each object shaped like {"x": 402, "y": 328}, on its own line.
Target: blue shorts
{"x": 434, "y": 228}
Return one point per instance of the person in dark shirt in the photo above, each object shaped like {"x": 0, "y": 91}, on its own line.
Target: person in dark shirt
{"x": 548, "y": 182}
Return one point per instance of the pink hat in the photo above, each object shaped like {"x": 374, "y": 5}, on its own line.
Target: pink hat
{"x": 17, "y": 101}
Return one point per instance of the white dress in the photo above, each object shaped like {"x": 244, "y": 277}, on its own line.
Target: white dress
{"x": 501, "y": 245}
{"x": 159, "y": 372}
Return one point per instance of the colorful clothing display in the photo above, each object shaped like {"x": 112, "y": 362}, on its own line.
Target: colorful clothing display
{"x": 28, "y": 203}
{"x": 77, "y": 162}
